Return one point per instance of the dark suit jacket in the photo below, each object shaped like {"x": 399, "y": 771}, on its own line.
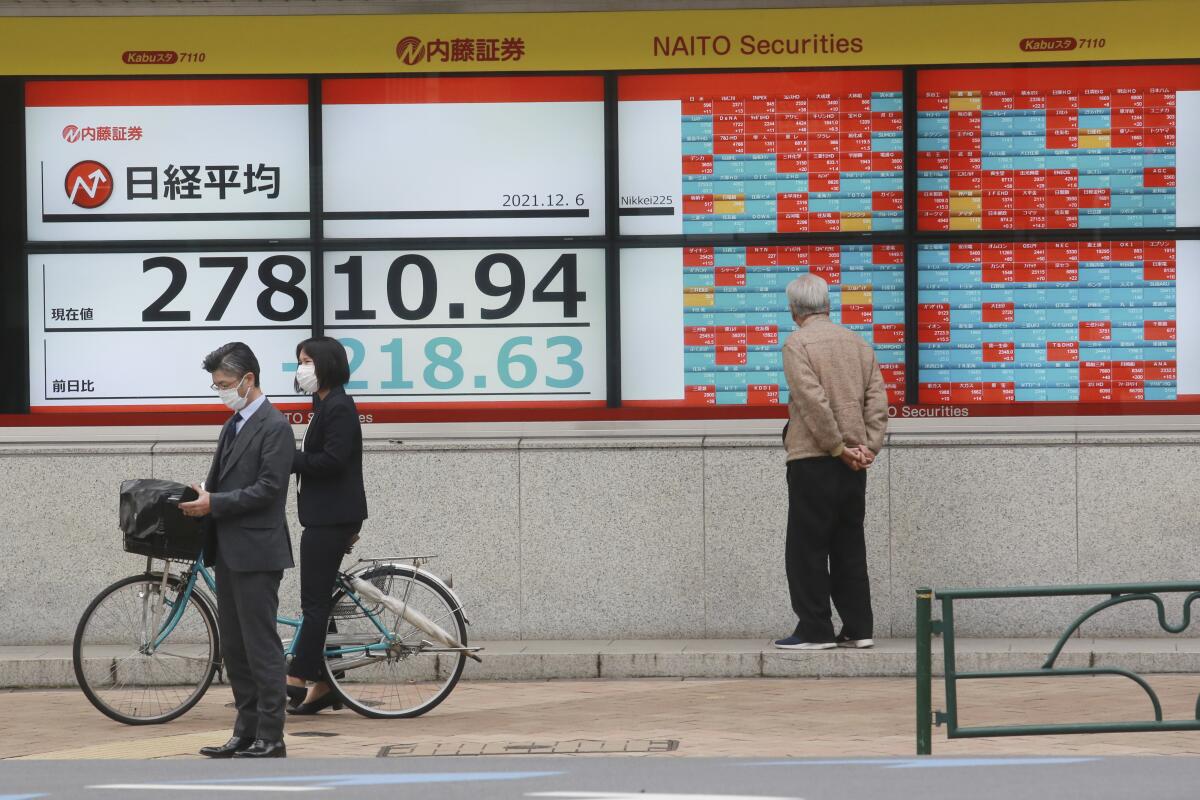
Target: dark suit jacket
{"x": 330, "y": 464}
{"x": 248, "y": 522}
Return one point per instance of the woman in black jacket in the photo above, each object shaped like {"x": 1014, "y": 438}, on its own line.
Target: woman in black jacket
{"x": 332, "y": 504}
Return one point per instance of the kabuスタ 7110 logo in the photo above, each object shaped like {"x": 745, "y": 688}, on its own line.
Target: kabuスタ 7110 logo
{"x": 412, "y": 50}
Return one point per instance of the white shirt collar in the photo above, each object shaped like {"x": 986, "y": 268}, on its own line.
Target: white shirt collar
{"x": 250, "y": 408}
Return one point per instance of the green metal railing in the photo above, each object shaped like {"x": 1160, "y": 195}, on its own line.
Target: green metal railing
{"x": 1117, "y": 593}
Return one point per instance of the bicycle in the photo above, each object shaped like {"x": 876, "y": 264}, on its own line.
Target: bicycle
{"x": 147, "y": 648}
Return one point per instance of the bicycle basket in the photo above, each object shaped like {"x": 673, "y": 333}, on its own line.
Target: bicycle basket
{"x": 346, "y": 608}
{"x": 152, "y": 524}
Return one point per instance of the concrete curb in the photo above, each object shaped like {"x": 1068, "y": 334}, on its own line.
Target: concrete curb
{"x": 51, "y": 667}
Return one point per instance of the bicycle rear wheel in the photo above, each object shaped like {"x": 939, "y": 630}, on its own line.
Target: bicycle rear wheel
{"x": 408, "y": 677}
{"x": 119, "y": 669}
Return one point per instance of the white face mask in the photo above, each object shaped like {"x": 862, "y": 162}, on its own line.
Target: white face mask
{"x": 231, "y": 398}
{"x": 306, "y": 378}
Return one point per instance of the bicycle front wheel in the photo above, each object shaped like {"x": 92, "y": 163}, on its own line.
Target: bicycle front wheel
{"x": 124, "y": 669}
{"x": 403, "y": 673}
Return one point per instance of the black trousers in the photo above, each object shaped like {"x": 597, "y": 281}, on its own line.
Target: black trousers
{"x": 321, "y": 551}
{"x": 253, "y": 655}
{"x": 826, "y": 548}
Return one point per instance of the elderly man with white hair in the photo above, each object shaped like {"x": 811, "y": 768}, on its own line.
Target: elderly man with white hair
{"x": 837, "y": 416}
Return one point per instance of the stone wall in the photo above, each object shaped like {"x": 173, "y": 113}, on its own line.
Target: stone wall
{"x": 679, "y": 537}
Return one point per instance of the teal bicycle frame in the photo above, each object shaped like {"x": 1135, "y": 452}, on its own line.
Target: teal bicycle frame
{"x": 198, "y": 572}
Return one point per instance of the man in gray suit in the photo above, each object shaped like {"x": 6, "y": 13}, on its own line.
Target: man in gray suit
{"x": 244, "y": 498}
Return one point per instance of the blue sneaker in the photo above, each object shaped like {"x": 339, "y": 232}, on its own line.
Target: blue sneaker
{"x": 796, "y": 643}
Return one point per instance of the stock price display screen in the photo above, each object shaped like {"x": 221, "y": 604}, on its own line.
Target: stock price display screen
{"x": 761, "y": 153}
{"x": 443, "y": 157}
{"x": 1058, "y": 148}
{"x": 705, "y": 326}
{"x": 98, "y": 320}
{"x": 1094, "y": 322}
{"x": 470, "y": 326}
{"x": 161, "y": 160}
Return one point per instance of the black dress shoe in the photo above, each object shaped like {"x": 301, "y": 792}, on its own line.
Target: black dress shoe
{"x": 295, "y": 695}
{"x": 263, "y": 749}
{"x": 228, "y": 749}
{"x": 326, "y": 700}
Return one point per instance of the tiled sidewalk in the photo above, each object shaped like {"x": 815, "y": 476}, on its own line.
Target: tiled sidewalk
{"x": 754, "y": 717}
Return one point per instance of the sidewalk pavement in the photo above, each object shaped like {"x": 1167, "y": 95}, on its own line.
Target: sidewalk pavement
{"x": 50, "y": 666}
{"x": 723, "y": 698}
{"x": 747, "y": 717}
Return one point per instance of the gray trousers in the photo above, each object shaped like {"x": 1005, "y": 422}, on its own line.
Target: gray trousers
{"x": 247, "y": 603}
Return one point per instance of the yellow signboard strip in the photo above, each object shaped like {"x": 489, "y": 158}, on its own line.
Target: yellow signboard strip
{"x": 1105, "y": 30}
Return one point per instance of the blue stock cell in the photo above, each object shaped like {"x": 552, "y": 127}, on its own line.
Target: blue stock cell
{"x": 1160, "y": 392}
{"x": 1159, "y": 159}
{"x": 887, "y": 104}
{"x": 1029, "y": 162}
{"x": 1063, "y": 315}
{"x": 1062, "y": 394}
{"x": 1026, "y": 394}
{"x": 731, "y": 398}
{"x": 697, "y": 148}
{"x": 1126, "y": 181}
{"x": 881, "y": 223}
{"x": 1159, "y": 202}
{"x": 930, "y": 127}
{"x": 1095, "y": 182}
{"x": 693, "y": 129}
{"x": 965, "y": 336}
{"x": 771, "y": 359}
{"x": 933, "y": 143}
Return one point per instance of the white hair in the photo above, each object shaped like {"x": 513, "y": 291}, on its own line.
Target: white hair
{"x": 807, "y": 295}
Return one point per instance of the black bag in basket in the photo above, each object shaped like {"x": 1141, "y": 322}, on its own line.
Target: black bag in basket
{"x": 152, "y": 523}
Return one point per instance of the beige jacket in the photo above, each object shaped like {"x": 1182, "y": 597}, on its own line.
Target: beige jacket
{"x": 837, "y": 397}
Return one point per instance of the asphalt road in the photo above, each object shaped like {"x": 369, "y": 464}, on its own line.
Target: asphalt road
{"x": 614, "y": 778}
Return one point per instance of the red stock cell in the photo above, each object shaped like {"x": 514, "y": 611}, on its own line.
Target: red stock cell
{"x": 1158, "y": 271}
{"x": 700, "y": 395}
{"x": 887, "y": 201}
{"x": 1158, "y": 177}
{"x": 888, "y": 333}
{"x": 887, "y": 254}
{"x": 998, "y": 312}
{"x": 730, "y": 276}
{"x": 999, "y": 352}
{"x": 1095, "y": 331}
{"x": 762, "y": 335}
{"x": 933, "y": 313}
{"x": 730, "y": 356}
{"x": 857, "y": 315}
{"x": 1159, "y": 330}
{"x": 700, "y": 336}
{"x": 762, "y": 395}
{"x": 1062, "y": 351}
{"x": 731, "y": 336}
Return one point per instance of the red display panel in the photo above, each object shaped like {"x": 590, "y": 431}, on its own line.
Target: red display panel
{"x": 1057, "y": 148}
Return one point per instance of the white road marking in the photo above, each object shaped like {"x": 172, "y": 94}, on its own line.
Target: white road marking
{"x": 652, "y": 796}
{"x": 207, "y": 787}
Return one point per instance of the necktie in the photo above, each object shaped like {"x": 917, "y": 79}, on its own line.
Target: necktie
{"x": 227, "y": 436}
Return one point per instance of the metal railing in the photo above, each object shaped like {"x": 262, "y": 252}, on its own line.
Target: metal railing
{"x": 1118, "y": 593}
